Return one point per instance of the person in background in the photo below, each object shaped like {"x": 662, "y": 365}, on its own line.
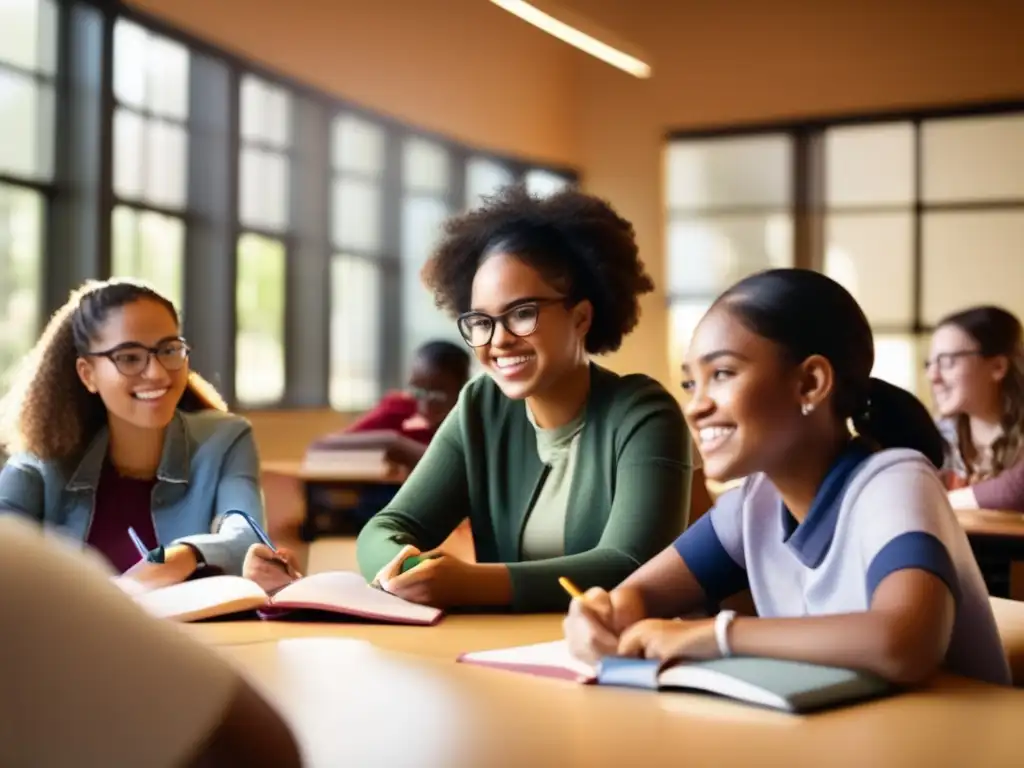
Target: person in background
{"x": 976, "y": 371}
{"x": 563, "y": 467}
{"x": 440, "y": 370}
{"x": 109, "y": 429}
{"x": 90, "y": 679}
{"x": 848, "y": 543}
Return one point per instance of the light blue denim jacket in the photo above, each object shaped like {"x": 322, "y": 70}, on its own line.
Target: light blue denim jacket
{"x": 209, "y": 466}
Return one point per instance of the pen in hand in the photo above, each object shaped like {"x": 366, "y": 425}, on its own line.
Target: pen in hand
{"x": 264, "y": 539}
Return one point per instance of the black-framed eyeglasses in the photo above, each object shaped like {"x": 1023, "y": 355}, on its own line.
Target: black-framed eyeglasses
{"x": 946, "y": 360}
{"x": 477, "y": 328}
{"x": 132, "y": 358}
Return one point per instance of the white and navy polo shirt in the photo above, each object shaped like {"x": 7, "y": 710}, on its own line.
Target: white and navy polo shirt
{"x": 874, "y": 514}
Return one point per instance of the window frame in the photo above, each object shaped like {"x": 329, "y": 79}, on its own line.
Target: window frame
{"x": 77, "y": 236}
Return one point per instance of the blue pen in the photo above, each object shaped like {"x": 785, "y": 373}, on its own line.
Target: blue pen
{"x": 254, "y": 525}
{"x": 142, "y": 548}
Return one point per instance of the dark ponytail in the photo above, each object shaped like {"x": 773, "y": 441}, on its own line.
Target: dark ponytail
{"x": 894, "y": 418}
{"x": 807, "y": 313}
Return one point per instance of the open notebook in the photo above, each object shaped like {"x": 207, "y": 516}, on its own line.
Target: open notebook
{"x": 337, "y": 592}
{"x": 790, "y": 686}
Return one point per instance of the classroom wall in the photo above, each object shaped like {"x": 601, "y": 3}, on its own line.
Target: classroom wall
{"x": 474, "y": 72}
{"x": 752, "y": 61}
{"x": 452, "y": 66}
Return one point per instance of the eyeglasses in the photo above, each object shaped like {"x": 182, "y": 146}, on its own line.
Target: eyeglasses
{"x": 946, "y": 360}
{"x": 477, "y": 328}
{"x": 428, "y": 395}
{"x": 132, "y": 359}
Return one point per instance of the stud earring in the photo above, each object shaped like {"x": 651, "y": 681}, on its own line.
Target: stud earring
{"x": 806, "y": 408}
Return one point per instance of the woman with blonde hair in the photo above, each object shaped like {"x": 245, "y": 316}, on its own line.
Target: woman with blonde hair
{"x": 108, "y": 430}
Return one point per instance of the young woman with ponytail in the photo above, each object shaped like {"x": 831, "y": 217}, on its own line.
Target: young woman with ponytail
{"x": 844, "y": 537}
{"x": 108, "y": 429}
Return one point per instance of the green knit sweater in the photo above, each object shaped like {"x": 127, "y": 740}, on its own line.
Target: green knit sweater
{"x": 629, "y": 496}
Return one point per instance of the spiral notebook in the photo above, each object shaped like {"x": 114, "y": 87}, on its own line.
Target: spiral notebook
{"x": 336, "y": 592}
{"x": 789, "y": 686}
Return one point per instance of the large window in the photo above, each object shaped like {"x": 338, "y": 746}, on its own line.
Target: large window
{"x": 358, "y": 152}
{"x": 28, "y": 66}
{"x": 263, "y": 210}
{"x": 730, "y": 214}
{"x": 151, "y": 78}
{"x": 917, "y": 217}
{"x": 289, "y": 226}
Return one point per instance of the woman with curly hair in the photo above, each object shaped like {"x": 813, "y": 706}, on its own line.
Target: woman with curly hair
{"x": 109, "y": 430}
{"x": 563, "y": 467}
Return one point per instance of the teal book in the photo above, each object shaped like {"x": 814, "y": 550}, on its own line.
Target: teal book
{"x": 788, "y": 686}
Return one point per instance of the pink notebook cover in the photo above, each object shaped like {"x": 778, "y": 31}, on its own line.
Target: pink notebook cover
{"x": 541, "y": 659}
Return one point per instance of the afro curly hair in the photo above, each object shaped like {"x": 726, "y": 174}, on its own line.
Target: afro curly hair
{"x": 577, "y": 242}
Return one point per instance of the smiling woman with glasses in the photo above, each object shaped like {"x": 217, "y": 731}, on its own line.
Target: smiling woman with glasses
{"x": 111, "y": 431}
{"x": 562, "y": 467}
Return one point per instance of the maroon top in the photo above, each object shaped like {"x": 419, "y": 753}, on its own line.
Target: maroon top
{"x": 1005, "y": 491}
{"x": 395, "y": 413}
{"x": 121, "y": 502}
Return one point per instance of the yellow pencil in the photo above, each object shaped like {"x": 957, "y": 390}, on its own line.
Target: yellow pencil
{"x": 571, "y": 588}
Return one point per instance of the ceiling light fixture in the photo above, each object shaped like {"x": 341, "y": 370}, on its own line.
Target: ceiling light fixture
{"x": 532, "y": 14}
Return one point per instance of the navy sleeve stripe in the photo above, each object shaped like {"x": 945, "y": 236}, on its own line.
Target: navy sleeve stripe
{"x": 915, "y": 549}
{"x": 717, "y": 573}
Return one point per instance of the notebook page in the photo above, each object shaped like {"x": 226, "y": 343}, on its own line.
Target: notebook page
{"x": 347, "y": 592}
{"x": 203, "y": 598}
{"x": 553, "y": 657}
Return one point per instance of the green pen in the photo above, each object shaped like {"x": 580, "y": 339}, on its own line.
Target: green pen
{"x": 411, "y": 562}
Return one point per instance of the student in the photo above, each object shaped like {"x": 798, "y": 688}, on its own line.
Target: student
{"x": 108, "y": 430}
{"x": 848, "y": 545}
{"x": 440, "y": 370}
{"x": 563, "y": 467}
{"x": 976, "y": 370}
{"x": 90, "y": 679}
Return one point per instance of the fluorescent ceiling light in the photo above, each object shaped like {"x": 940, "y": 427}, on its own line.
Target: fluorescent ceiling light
{"x": 573, "y": 36}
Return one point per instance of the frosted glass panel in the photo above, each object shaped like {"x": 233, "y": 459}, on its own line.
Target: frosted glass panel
{"x": 28, "y": 34}
{"x": 870, "y": 165}
{"x": 683, "y": 318}
{"x": 259, "y": 308}
{"x": 424, "y": 166}
{"x": 742, "y": 171}
{"x": 357, "y": 145}
{"x": 357, "y": 214}
{"x": 150, "y": 160}
{"x": 151, "y": 72}
{"x": 266, "y": 113}
{"x": 706, "y": 256}
{"x": 972, "y": 159}
{"x": 422, "y": 320}
{"x": 21, "y": 265}
{"x": 151, "y": 247}
{"x": 972, "y": 258}
{"x": 896, "y": 361}
{"x": 872, "y": 255}
{"x": 484, "y": 177}
{"x": 355, "y": 332}
{"x": 544, "y": 183}
{"x": 26, "y": 117}
{"x": 264, "y": 189}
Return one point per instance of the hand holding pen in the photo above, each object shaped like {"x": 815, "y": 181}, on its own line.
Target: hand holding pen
{"x": 596, "y": 618}
{"x": 269, "y": 566}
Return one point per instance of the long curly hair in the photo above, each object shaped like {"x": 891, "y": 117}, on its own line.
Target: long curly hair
{"x": 577, "y": 241}
{"x": 997, "y": 332}
{"x": 47, "y": 410}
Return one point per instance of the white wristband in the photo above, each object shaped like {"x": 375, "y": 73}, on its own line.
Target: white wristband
{"x": 722, "y": 622}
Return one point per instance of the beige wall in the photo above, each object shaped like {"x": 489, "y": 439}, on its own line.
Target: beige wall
{"x": 458, "y": 67}
{"x": 484, "y": 77}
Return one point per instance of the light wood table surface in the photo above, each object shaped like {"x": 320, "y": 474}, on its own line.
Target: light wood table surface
{"x": 353, "y": 704}
{"x": 453, "y": 635}
{"x": 992, "y": 523}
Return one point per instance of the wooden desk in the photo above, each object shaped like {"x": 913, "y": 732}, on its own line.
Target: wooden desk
{"x": 355, "y": 705}
{"x": 991, "y": 523}
{"x": 997, "y": 539}
{"x": 345, "y": 489}
{"x": 452, "y": 636}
